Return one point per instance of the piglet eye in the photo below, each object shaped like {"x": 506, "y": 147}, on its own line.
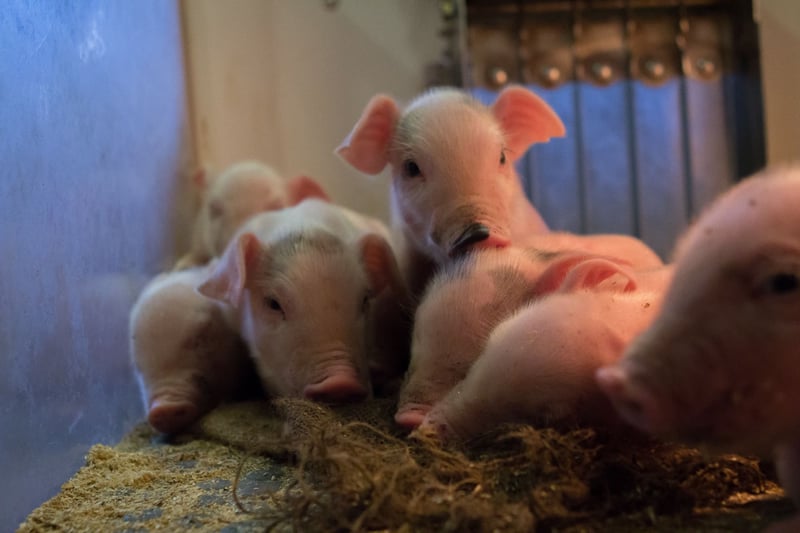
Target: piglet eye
{"x": 503, "y": 157}
{"x": 411, "y": 169}
{"x": 783, "y": 283}
{"x": 274, "y": 305}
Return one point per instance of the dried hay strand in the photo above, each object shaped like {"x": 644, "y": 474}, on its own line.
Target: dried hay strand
{"x": 356, "y": 472}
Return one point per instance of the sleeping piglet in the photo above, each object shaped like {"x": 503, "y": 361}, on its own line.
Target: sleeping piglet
{"x": 239, "y": 192}
{"x": 538, "y": 365}
{"x": 463, "y": 303}
{"x": 459, "y": 308}
{"x": 719, "y": 366}
{"x": 454, "y": 186}
{"x": 301, "y": 281}
{"x": 185, "y": 350}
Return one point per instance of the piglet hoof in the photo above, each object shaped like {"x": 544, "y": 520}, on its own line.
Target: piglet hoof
{"x": 410, "y": 416}
{"x": 435, "y": 428}
{"x": 170, "y": 415}
{"x": 338, "y": 388}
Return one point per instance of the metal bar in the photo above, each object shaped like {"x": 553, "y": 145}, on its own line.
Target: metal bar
{"x": 684, "y": 111}
{"x": 576, "y": 94}
{"x": 630, "y": 109}
{"x": 509, "y": 7}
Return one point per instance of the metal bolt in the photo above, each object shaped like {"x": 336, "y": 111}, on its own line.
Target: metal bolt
{"x": 550, "y": 74}
{"x": 602, "y": 71}
{"x": 654, "y": 69}
{"x": 705, "y": 67}
{"x": 498, "y": 76}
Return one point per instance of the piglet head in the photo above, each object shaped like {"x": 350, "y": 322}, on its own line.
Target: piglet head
{"x": 241, "y": 191}
{"x": 718, "y": 366}
{"x": 302, "y": 303}
{"x": 453, "y": 181}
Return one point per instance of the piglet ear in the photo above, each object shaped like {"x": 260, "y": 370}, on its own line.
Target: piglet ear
{"x": 526, "y": 119}
{"x": 367, "y": 146}
{"x": 380, "y": 264}
{"x": 301, "y": 187}
{"x": 579, "y": 271}
{"x": 229, "y": 274}
{"x": 599, "y": 274}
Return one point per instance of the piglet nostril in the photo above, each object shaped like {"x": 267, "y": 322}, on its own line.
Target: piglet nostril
{"x": 338, "y": 388}
{"x": 475, "y": 232}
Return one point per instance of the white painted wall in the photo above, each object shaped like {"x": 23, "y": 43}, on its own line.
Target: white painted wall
{"x": 285, "y": 81}
{"x": 779, "y": 35}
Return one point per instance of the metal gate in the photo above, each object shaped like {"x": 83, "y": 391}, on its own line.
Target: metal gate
{"x": 661, "y": 101}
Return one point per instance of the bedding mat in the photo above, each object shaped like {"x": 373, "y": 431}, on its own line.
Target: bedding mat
{"x": 294, "y": 465}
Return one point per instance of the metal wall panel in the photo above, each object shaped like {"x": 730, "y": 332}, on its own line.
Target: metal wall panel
{"x": 661, "y": 103}
{"x": 606, "y": 156}
{"x": 92, "y": 113}
{"x": 660, "y": 164}
{"x": 554, "y": 170}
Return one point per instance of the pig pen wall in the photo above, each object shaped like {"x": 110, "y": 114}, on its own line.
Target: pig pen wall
{"x": 93, "y": 120}
{"x": 286, "y": 81}
{"x": 95, "y": 190}
{"x": 661, "y": 100}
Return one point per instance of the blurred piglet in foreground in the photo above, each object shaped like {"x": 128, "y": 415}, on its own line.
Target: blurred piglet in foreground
{"x": 720, "y": 365}
{"x": 301, "y": 281}
{"x": 241, "y": 191}
{"x": 538, "y": 365}
{"x": 454, "y": 186}
{"x": 187, "y": 354}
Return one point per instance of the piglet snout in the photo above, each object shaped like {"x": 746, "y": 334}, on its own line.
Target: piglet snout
{"x": 172, "y": 414}
{"x": 341, "y": 387}
{"x": 476, "y": 234}
{"x": 409, "y": 416}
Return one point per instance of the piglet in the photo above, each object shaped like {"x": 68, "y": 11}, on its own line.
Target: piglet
{"x": 719, "y": 366}
{"x": 464, "y": 302}
{"x": 538, "y": 365}
{"x": 239, "y": 192}
{"x": 459, "y": 308}
{"x": 301, "y": 282}
{"x": 454, "y": 186}
{"x": 453, "y": 179}
{"x": 185, "y": 350}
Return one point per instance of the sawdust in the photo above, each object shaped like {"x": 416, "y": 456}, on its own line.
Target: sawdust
{"x": 296, "y": 465}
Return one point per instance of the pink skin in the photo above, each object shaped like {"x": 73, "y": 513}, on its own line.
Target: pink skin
{"x": 454, "y": 186}
{"x": 629, "y": 249}
{"x": 458, "y": 310}
{"x": 452, "y": 168}
{"x": 466, "y": 300}
{"x": 300, "y": 281}
{"x": 538, "y": 365}
{"x": 187, "y": 355}
{"x": 719, "y": 365}
{"x": 241, "y": 191}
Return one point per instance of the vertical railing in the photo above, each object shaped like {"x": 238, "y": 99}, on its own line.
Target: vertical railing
{"x": 660, "y": 99}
